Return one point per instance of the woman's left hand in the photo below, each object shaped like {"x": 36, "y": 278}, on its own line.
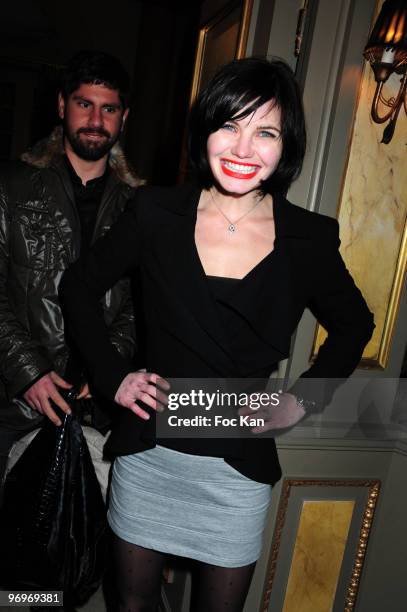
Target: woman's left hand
{"x": 282, "y": 416}
{"x": 145, "y": 387}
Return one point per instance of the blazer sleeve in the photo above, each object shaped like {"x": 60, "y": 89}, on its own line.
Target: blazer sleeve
{"x": 122, "y": 332}
{"x": 340, "y": 308}
{"x": 81, "y": 289}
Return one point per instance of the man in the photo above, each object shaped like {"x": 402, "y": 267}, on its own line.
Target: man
{"x": 68, "y": 192}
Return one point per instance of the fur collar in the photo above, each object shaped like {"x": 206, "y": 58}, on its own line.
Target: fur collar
{"x": 45, "y": 152}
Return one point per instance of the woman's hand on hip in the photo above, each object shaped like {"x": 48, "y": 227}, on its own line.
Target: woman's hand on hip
{"x": 142, "y": 387}
{"x": 281, "y": 416}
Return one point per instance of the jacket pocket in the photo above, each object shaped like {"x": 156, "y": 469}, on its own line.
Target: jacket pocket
{"x": 34, "y": 240}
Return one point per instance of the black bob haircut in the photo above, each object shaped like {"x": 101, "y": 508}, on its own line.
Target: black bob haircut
{"x": 95, "y": 68}
{"x": 238, "y": 90}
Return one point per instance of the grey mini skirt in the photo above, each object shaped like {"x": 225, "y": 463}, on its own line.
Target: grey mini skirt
{"x": 188, "y": 505}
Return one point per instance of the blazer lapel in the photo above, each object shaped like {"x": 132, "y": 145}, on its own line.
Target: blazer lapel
{"x": 269, "y": 299}
{"x": 181, "y": 268}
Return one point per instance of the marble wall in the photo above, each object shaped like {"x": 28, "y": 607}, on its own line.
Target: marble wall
{"x": 372, "y": 215}
{"x": 318, "y": 554}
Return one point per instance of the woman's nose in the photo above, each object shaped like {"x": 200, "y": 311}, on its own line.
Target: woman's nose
{"x": 242, "y": 147}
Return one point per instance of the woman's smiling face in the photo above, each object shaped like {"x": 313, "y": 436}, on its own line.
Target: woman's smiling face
{"x": 244, "y": 152}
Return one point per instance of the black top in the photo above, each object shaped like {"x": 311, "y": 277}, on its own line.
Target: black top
{"x": 221, "y": 289}
{"x": 185, "y": 337}
{"x": 87, "y": 199}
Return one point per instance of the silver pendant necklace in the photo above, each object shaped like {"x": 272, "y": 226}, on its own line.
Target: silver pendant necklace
{"x": 232, "y": 225}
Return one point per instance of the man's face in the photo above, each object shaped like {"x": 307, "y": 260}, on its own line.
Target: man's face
{"x": 93, "y": 119}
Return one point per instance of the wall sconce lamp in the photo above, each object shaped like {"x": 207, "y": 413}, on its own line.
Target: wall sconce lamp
{"x": 386, "y": 51}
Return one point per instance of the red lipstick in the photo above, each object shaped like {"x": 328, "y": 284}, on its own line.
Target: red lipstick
{"x": 236, "y": 174}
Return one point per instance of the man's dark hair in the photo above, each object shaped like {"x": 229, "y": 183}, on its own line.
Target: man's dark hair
{"x": 97, "y": 68}
{"x": 238, "y": 90}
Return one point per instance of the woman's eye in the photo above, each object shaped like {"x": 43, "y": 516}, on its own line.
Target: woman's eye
{"x": 228, "y": 126}
{"x": 268, "y": 134}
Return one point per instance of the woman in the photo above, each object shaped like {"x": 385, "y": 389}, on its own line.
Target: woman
{"x": 226, "y": 268}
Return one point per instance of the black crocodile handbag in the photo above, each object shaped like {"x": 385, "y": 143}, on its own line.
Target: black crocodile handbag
{"x": 53, "y": 528}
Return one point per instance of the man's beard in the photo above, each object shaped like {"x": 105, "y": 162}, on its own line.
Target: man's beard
{"x": 87, "y": 149}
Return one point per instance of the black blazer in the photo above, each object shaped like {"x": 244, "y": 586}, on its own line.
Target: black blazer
{"x": 184, "y": 337}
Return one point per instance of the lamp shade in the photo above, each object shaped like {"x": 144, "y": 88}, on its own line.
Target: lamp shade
{"x": 389, "y": 31}
{"x": 386, "y": 51}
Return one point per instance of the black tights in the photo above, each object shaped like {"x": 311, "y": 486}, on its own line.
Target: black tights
{"x": 138, "y": 579}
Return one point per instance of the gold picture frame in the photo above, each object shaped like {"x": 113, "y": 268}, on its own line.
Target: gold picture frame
{"x": 309, "y": 489}
{"x": 221, "y": 40}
